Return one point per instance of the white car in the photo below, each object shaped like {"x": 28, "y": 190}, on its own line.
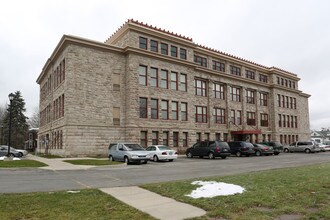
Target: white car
{"x": 324, "y": 147}
{"x": 161, "y": 152}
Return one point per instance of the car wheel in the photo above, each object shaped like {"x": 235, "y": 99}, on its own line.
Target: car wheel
{"x": 111, "y": 158}
{"x": 307, "y": 151}
{"x": 258, "y": 153}
{"x": 211, "y": 155}
{"x": 189, "y": 155}
{"x": 238, "y": 154}
{"x": 126, "y": 160}
{"x": 223, "y": 157}
{"x": 20, "y": 154}
{"x": 11, "y": 155}
{"x": 171, "y": 160}
{"x": 286, "y": 150}
{"x": 276, "y": 153}
{"x": 155, "y": 158}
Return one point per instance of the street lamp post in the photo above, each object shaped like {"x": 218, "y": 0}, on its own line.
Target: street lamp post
{"x": 11, "y": 98}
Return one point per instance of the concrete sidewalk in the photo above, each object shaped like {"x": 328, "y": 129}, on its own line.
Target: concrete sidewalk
{"x": 155, "y": 205}
{"x": 58, "y": 164}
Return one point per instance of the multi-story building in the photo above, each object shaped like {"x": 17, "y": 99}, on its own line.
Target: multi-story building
{"x": 150, "y": 86}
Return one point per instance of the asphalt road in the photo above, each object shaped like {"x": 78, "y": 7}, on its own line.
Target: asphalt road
{"x": 16, "y": 180}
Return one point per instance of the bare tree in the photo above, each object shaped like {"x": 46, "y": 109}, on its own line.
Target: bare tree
{"x": 3, "y": 112}
{"x": 34, "y": 119}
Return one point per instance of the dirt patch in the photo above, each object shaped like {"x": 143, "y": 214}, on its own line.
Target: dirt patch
{"x": 264, "y": 209}
{"x": 289, "y": 217}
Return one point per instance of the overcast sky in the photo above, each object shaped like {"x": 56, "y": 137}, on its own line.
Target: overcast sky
{"x": 293, "y": 35}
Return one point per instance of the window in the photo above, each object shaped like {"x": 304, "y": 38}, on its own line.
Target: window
{"x": 235, "y": 94}
{"x": 143, "y": 43}
{"x": 219, "y": 115}
{"x": 200, "y": 60}
{"x": 296, "y": 123}
{"x": 183, "y": 82}
{"x": 232, "y": 116}
{"x": 294, "y": 103}
{"x": 283, "y": 101}
{"x": 287, "y": 101}
{"x": 183, "y": 54}
{"x": 155, "y": 137}
{"x": 142, "y": 75}
{"x": 175, "y": 111}
{"x": 219, "y": 91}
{"x": 282, "y": 81}
{"x": 164, "y": 49}
{"x": 251, "y": 118}
{"x": 154, "y": 45}
{"x": 143, "y": 139}
{"x": 185, "y": 139}
{"x": 263, "y": 78}
{"x": 165, "y": 138}
{"x": 200, "y": 87}
{"x": 292, "y": 121}
{"x": 249, "y": 74}
{"x": 143, "y": 108}
{"x": 291, "y": 103}
{"x": 174, "y": 80}
{"x": 174, "y": 51}
{"x": 164, "y": 79}
{"x": 201, "y": 114}
{"x": 164, "y": 109}
{"x": 264, "y": 120}
{"x": 184, "y": 113}
{"x": 218, "y": 136}
{"x": 278, "y": 80}
{"x": 239, "y": 117}
{"x": 153, "y": 77}
{"x": 218, "y": 66}
{"x": 250, "y": 96}
{"x": 154, "y": 108}
{"x": 263, "y": 99}
{"x": 235, "y": 70}
{"x": 175, "y": 139}
{"x": 290, "y": 84}
{"x": 198, "y": 137}
{"x": 294, "y": 86}
{"x": 283, "y": 121}
{"x": 286, "y": 83}
{"x": 279, "y": 100}
{"x": 288, "y": 121}
{"x": 116, "y": 115}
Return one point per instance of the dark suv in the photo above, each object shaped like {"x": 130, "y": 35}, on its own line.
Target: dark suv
{"x": 240, "y": 148}
{"x": 277, "y": 146}
{"x": 211, "y": 149}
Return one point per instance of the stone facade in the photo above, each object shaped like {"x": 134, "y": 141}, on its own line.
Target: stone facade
{"x": 90, "y": 95}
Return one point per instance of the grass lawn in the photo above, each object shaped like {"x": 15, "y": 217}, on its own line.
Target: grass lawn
{"x": 86, "y": 204}
{"x": 93, "y": 162}
{"x": 298, "y": 192}
{"x": 21, "y": 163}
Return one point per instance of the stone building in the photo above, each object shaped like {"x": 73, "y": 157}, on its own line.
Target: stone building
{"x": 147, "y": 85}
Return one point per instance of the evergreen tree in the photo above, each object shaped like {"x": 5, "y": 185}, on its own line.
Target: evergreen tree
{"x": 19, "y": 126}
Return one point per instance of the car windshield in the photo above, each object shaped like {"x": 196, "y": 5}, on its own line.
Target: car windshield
{"x": 249, "y": 145}
{"x": 134, "y": 147}
{"x": 164, "y": 148}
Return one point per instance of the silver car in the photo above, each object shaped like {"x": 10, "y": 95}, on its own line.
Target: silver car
{"x": 302, "y": 146}
{"x": 128, "y": 153}
{"x": 13, "y": 151}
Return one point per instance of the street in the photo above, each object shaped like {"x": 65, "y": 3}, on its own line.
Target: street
{"x": 17, "y": 180}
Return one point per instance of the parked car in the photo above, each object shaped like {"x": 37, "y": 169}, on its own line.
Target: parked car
{"x": 302, "y": 146}
{"x": 128, "y": 153}
{"x": 21, "y": 151}
{"x": 211, "y": 149}
{"x": 161, "y": 152}
{"x": 324, "y": 147}
{"x": 13, "y": 152}
{"x": 240, "y": 148}
{"x": 277, "y": 146}
{"x": 261, "y": 149}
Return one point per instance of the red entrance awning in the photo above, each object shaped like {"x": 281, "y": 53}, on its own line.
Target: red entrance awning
{"x": 246, "y": 132}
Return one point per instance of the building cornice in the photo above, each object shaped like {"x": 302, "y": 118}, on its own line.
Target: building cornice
{"x": 73, "y": 40}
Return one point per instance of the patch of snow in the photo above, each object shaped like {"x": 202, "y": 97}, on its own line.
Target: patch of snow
{"x": 73, "y": 191}
{"x": 211, "y": 189}
{"x": 2, "y": 158}
{"x": 16, "y": 158}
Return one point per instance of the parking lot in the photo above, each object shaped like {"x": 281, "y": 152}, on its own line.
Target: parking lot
{"x": 36, "y": 179}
